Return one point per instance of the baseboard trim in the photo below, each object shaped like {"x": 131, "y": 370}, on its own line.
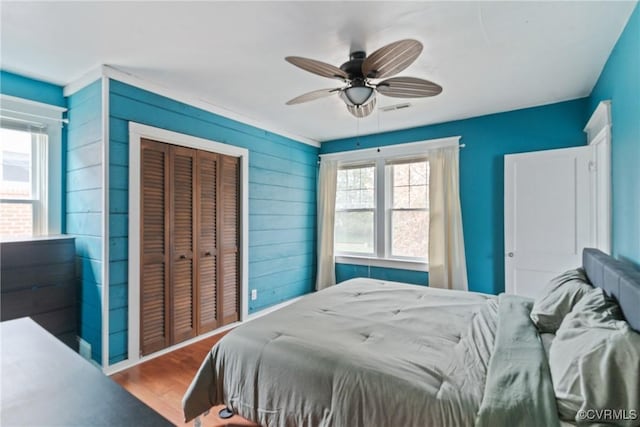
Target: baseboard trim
{"x": 126, "y": 364}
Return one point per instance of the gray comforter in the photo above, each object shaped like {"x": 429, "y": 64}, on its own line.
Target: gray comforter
{"x": 362, "y": 353}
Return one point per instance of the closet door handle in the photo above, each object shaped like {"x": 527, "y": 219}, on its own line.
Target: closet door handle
{"x": 183, "y": 257}
{"x": 207, "y": 253}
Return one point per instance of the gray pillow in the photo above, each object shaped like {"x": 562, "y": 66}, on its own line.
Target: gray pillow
{"x": 558, "y": 298}
{"x": 594, "y": 361}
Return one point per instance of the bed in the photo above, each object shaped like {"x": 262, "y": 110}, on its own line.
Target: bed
{"x": 376, "y": 353}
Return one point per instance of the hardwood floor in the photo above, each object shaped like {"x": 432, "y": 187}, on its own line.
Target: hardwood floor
{"x": 161, "y": 383}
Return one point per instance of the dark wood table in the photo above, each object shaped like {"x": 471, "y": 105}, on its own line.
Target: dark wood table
{"x": 45, "y": 383}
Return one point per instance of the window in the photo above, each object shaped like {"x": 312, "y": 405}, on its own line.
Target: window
{"x": 382, "y": 211}
{"x": 16, "y": 165}
{"x": 409, "y": 209}
{"x": 355, "y": 210}
{"x": 30, "y": 188}
{"x": 21, "y": 192}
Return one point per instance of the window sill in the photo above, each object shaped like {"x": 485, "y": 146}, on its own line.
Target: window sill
{"x": 382, "y": 262}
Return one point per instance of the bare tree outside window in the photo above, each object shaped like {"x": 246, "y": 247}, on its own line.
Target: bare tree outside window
{"x": 409, "y": 211}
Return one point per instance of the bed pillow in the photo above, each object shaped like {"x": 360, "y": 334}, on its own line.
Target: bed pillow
{"x": 558, "y": 298}
{"x": 593, "y": 359}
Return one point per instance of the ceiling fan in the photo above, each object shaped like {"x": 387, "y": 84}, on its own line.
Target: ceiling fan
{"x": 359, "y": 94}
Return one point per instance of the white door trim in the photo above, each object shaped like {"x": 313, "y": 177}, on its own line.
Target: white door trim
{"x": 136, "y": 133}
{"x": 105, "y": 222}
{"x": 598, "y": 130}
{"x": 541, "y": 263}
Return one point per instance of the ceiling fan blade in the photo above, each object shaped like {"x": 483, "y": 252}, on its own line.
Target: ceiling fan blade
{"x": 310, "y": 96}
{"x": 316, "y": 67}
{"x": 363, "y": 110}
{"x": 408, "y": 87}
{"x": 391, "y": 59}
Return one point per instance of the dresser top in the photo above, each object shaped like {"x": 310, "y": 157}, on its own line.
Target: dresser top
{"x": 45, "y": 383}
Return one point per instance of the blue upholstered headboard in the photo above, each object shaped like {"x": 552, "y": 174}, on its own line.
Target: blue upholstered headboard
{"x": 618, "y": 279}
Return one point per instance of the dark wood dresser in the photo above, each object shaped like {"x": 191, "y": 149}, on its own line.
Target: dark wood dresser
{"x": 44, "y": 383}
{"x": 37, "y": 279}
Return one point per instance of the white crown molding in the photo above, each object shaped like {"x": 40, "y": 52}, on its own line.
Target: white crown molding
{"x": 83, "y": 81}
{"x": 133, "y": 80}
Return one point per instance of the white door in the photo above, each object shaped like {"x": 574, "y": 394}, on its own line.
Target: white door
{"x": 548, "y": 216}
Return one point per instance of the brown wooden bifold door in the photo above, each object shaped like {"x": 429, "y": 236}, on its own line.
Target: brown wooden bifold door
{"x": 190, "y": 258}
{"x": 183, "y": 209}
{"x": 154, "y": 245}
{"x": 207, "y": 241}
{"x": 229, "y": 230}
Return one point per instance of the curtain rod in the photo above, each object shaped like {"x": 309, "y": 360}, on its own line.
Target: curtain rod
{"x": 320, "y": 155}
{"x": 404, "y": 149}
{"x": 36, "y": 116}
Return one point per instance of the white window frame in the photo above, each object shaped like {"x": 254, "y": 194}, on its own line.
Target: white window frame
{"x": 47, "y": 158}
{"x": 388, "y": 206}
{"x": 380, "y": 156}
{"x": 37, "y": 178}
{"x": 376, "y": 197}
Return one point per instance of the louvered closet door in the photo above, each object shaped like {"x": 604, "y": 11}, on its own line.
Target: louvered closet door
{"x": 229, "y": 225}
{"x": 207, "y": 300}
{"x": 183, "y": 207}
{"x": 154, "y": 243}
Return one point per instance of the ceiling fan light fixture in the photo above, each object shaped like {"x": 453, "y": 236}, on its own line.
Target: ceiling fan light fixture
{"x": 361, "y": 111}
{"x": 357, "y": 95}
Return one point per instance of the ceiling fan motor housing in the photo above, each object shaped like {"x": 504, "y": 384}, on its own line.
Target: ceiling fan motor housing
{"x": 358, "y": 92}
{"x": 353, "y": 67}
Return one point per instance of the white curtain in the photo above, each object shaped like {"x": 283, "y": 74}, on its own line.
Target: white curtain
{"x": 327, "y": 179}
{"x": 447, "y": 264}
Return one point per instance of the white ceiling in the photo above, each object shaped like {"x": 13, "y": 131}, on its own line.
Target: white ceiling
{"x": 488, "y": 56}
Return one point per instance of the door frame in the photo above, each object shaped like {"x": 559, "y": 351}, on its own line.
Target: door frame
{"x": 599, "y": 140}
{"x": 598, "y": 130}
{"x": 510, "y": 195}
{"x": 137, "y": 132}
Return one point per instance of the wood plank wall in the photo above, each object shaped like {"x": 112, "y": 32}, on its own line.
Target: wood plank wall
{"x": 84, "y": 207}
{"x": 282, "y": 200}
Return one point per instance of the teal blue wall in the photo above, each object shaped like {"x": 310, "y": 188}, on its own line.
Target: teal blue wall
{"x": 487, "y": 139}
{"x": 47, "y": 93}
{"x": 35, "y": 90}
{"x": 620, "y": 82}
{"x": 84, "y": 206}
{"x": 349, "y": 271}
{"x": 282, "y": 204}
